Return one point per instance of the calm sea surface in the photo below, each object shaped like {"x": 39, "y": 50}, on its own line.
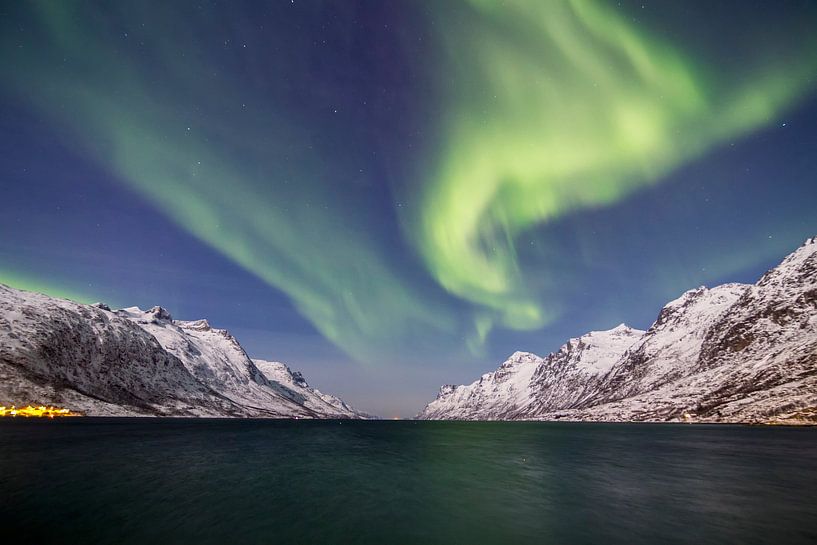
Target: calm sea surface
{"x": 165, "y": 481}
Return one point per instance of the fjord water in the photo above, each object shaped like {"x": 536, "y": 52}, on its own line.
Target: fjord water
{"x": 260, "y": 481}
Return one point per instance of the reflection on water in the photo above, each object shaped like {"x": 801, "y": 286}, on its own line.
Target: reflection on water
{"x": 255, "y": 481}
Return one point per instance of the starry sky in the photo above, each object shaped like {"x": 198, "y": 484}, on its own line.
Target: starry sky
{"x": 394, "y": 195}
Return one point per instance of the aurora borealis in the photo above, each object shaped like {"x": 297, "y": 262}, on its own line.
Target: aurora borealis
{"x": 578, "y": 109}
{"x": 404, "y": 191}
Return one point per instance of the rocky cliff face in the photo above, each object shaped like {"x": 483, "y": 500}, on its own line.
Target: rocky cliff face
{"x": 734, "y": 353}
{"x": 131, "y": 362}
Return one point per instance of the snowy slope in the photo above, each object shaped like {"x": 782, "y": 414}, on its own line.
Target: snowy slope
{"x": 494, "y": 395}
{"x": 526, "y": 385}
{"x": 296, "y": 386}
{"x": 59, "y": 351}
{"x": 669, "y": 349}
{"x": 734, "y": 353}
{"x": 98, "y": 361}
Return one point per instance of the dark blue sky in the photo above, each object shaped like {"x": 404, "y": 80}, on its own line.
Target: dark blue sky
{"x": 395, "y": 196}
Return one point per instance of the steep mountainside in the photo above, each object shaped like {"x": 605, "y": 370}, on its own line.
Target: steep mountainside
{"x": 527, "y": 384}
{"x": 296, "y": 386}
{"x": 100, "y": 361}
{"x": 734, "y": 353}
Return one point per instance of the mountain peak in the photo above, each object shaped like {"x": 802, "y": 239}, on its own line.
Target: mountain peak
{"x": 797, "y": 267}
{"x": 198, "y": 325}
{"x": 621, "y": 329}
{"x": 159, "y": 314}
{"x": 521, "y": 356}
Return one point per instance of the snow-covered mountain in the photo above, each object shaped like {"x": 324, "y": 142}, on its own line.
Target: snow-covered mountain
{"x": 99, "y": 361}
{"x": 311, "y": 398}
{"x": 527, "y": 384}
{"x": 734, "y": 353}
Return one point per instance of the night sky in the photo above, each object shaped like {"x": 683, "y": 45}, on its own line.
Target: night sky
{"x": 395, "y": 195}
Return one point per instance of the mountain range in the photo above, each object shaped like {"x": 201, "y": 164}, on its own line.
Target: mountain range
{"x": 130, "y": 362}
{"x": 733, "y": 353}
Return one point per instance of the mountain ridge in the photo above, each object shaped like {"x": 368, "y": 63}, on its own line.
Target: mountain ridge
{"x": 130, "y": 362}
{"x": 731, "y": 353}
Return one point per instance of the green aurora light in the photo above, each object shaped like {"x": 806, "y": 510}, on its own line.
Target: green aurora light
{"x": 551, "y": 108}
{"x": 555, "y": 107}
